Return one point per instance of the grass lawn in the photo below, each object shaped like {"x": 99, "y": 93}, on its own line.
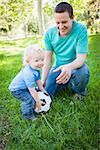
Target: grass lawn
{"x": 74, "y": 125}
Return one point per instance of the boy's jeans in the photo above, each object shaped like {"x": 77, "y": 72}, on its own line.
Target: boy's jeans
{"x": 28, "y": 103}
{"x": 78, "y": 81}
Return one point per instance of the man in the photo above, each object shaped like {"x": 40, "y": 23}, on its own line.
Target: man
{"x": 69, "y": 42}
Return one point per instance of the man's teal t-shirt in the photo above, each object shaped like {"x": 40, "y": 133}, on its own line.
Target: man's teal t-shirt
{"x": 66, "y": 48}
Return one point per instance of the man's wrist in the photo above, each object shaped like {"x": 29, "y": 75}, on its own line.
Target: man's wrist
{"x": 70, "y": 66}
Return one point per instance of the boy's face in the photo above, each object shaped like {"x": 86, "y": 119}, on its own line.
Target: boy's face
{"x": 37, "y": 61}
{"x": 64, "y": 23}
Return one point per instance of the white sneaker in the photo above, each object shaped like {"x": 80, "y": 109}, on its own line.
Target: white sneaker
{"x": 78, "y": 97}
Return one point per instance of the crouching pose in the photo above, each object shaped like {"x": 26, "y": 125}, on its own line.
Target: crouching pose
{"x": 68, "y": 41}
{"x": 23, "y": 85}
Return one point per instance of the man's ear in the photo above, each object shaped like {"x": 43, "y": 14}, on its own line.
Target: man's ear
{"x": 72, "y": 17}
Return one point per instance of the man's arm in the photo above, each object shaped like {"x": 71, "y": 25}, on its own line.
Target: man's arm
{"x": 47, "y": 66}
{"x": 67, "y": 69}
{"x": 78, "y": 62}
{"x": 41, "y": 88}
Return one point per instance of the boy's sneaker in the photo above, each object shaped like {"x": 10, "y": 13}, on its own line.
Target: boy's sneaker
{"x": 34, "y": 119}
{"x": 78, "y": 97}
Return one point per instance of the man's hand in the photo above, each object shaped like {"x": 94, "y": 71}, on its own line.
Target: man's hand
{"x": 64, "y": 75}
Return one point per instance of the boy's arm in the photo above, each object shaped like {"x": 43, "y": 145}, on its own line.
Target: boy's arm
{"x": 36, "y": 97}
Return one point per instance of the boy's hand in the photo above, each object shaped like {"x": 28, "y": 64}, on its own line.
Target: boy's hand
{"x": 43, "y": 84}
{"x": 45, "y": 92}
{"x": 39, "y": 104}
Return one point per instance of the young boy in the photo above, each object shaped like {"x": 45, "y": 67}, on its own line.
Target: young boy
{"x": 23, "y": 85}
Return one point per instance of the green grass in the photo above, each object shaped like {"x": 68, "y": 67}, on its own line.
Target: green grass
{"x": 74, "y": 124}
{"x": 21, "y": 43}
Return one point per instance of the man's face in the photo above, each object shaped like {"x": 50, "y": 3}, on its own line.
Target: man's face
{"x": 64, "y": 23}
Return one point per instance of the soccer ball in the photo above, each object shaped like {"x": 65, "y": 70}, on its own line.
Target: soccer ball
{"x": 46, "y": 99}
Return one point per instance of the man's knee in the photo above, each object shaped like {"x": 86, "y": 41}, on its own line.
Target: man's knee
{"x": 80, "y": 78}
{"x": 82, "y": 73}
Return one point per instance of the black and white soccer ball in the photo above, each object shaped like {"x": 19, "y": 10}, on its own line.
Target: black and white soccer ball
{"x": 47, "y": 102}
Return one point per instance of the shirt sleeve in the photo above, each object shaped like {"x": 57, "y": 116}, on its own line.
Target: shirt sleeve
{"x": 82, "y": 42}
{"x": 47, "y": 40}
{"x": 38, "y": 75}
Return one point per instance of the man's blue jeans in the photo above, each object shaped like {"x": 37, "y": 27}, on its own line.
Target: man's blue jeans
{"x": 28, "y": 103}
{"x": 78, "y": 81}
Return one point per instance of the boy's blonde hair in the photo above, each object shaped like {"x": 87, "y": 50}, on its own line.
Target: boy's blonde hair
{"x": 30, "y": 51}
